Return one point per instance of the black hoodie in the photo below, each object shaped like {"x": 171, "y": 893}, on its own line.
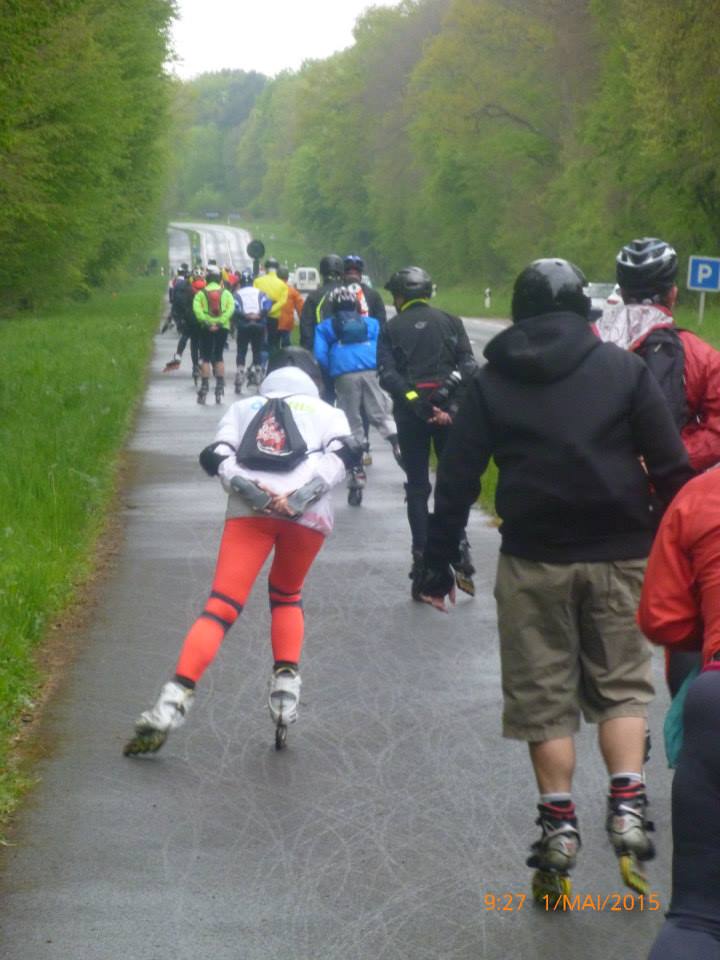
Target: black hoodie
{"x": 567, "y": 419}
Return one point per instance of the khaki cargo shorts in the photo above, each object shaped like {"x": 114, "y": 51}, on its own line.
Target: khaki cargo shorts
{"x": 569, "y": 643}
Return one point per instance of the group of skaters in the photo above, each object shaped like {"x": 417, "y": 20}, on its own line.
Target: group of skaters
{"x": 604, "y": 436}
{"x": 208, "y": 305}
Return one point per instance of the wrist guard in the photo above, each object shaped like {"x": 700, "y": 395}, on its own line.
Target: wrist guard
{"x": 251, "y": 493}
{"x": 300, "y": 499}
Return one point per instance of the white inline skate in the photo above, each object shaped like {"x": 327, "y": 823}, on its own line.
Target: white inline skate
{"x": 153, "y": 726}
{"x": 283, "y": 701}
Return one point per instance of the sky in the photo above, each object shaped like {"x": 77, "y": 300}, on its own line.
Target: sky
{"x": 267, "y": 37}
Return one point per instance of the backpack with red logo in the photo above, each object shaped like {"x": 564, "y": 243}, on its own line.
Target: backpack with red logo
{"x": 214, "y": 301}
{"x": 272, "y": 440}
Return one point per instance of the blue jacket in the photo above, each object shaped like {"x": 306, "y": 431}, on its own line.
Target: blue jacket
{"x": 338, "y": 358}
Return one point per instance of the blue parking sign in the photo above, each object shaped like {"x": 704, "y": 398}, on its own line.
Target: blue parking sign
{"x": 704, "y": 274}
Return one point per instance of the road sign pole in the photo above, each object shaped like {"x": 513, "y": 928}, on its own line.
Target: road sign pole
{"x": 701, "y": 314}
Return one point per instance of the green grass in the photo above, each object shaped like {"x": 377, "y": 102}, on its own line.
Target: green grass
{"x": 69, "y": 389}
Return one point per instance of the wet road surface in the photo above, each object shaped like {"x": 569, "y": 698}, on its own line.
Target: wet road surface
{"x": 394, "y": 826}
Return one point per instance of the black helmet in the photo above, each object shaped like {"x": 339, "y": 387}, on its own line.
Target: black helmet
{"x": 331, "y": 265}
{"x": 246, "y": 278}
{"x": 283, "y": 273}
{"x": 646, "y": 267}
{"x": 353, "y": 261}
{"x": 410, "y": 283}
{"x": 271, "y": 263}
{"x": 296, "y": 357}
{"x": 547, "y": 286}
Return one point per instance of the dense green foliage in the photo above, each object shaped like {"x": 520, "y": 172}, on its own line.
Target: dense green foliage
{"x": 59, "y": 466}
{"x": 473, "y": 135}
{"x": 84, "y": 110}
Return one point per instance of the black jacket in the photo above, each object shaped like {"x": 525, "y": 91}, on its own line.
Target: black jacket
{"x": 567, "y": 419}
{"x": 421, "y": 344}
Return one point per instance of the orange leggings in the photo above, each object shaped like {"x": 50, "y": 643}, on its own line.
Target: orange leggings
{"x": 245, "y": 545}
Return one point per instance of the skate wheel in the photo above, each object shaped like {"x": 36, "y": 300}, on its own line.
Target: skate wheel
{"x": 465, "y": 583}
{"x": 280, "y": 736}
{"x": 549, "y": 887}
{"x": 149, "y": 742}
{"x": 355, "y": 496}
{"x": 632, "y": 874}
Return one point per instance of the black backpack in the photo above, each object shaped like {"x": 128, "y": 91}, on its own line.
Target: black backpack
{"x": 272, "y": 440}
{"x": 663, "y": 352}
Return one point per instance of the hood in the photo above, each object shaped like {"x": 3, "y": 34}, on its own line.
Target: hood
{"x": 287, "y": 381}
{"x": 628, "y": 325}
{"x": 542, "y": 349}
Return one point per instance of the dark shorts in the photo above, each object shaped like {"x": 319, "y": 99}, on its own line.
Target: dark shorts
{"x": 212, "y": 344}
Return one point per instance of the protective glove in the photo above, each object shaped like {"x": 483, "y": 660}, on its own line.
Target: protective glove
{"x": 252, "y": 494}
{"x": 299, "y": 500}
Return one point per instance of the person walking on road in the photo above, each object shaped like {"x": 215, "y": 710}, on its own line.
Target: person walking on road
{"x": 277, "y": 291}
{"x": 250, "y": 319}
{"x": 290, "y": 309}
{"x": 353, "y": 272}
{"x": 181, "y": 310}
{"x": 567, "y": 419}
{"x": 287, "y": 509}
{"x": 680, "y": 609}
{"x": 213, "y": 307}
{"x": 346, "y": 349}
{"x": 686, "y": 367}
{"x": 423, "y": 357}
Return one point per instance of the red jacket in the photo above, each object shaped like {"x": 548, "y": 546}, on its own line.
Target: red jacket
{"x": 701, "y": 436}
{"x": 680, "y": 600}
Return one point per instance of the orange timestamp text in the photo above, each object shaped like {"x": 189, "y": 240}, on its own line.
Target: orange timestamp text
{"x": 575, "y": 903}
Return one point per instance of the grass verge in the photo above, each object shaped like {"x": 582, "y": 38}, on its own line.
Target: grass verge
{"x": 67, "y": 400}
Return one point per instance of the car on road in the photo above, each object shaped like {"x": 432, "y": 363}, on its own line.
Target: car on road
{"x": 306, "y": 279}
{"x": 602, "y": 295}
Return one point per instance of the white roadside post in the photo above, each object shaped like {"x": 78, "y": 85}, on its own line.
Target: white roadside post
{"x": 703, "y": 276}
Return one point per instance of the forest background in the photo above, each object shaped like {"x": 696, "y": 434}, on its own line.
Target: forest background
{"x": 469, "y": 136}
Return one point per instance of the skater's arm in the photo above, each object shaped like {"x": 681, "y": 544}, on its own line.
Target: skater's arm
{"x": 390, "y": 377}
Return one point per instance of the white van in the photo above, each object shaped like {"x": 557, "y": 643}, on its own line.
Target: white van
{"x": 307, "y": 279}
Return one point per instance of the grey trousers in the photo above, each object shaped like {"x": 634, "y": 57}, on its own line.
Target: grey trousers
{"x": 361, "y": 389}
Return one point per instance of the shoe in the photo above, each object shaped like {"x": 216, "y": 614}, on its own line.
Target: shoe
{"x": 464, "y": 570}
{"x": 219, "y": 389}
{"x": 554, "y": 855}
{"x": 203, "y": 391}
{"x": 627, "y": 828}
{"x": 284, "y": 695}
{"x": 239, "y": 379}
{"x": 169, "y": 713}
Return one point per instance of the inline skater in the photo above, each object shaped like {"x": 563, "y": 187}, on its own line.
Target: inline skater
{"x": 679, "y": 609}
{"x": 331, "y": 271}
{"x": 288, "y": 510}
{"x": 577, "y": 524}
{"x": 251, "y": 310}
{"x": 346, "y": 349}
{"x": 213, "y": 307}
{"x": 277, "y": 291}
{"x": 686, "y": 367}
{"x": 293, "y": 306}
{"x": 424, "y": 356}
{"x": 353, "y": 271}
{"x": 181, "y": 309}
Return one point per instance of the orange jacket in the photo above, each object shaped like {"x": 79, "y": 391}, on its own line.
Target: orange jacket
{"x": 293, "y": 304}
{"x": 680, "y": 600}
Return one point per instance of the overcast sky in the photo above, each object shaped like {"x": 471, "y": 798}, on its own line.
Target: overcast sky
{"x": 267, "y": 37}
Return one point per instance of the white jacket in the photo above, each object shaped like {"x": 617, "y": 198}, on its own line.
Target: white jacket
{"x": 320, "y": 425}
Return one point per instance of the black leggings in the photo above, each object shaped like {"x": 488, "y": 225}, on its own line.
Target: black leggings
{"x": 415, "y": 437}
{"x": 692, "y": 928}
{"x": 252, "y": 334}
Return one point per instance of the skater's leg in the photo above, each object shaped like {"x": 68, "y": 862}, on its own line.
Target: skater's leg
{"x": 622, "y": 743}
{"x": 349, "y": 392}
{"x": 376, "y": 407}
{"x": 414, "y": 438}
{"x": 295, "y": 550}
{"x": 676, "y": 941}
{"x": 243, "y": 340}
{"x": 554, "y": 764}
{"x": 245, "y": 545}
